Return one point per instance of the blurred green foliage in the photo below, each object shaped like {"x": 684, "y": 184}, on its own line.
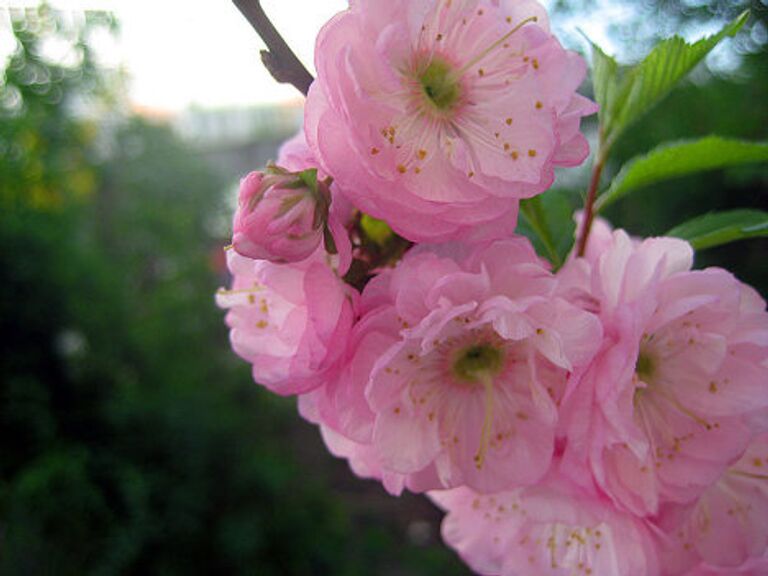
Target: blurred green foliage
{"x": 42, "y": 146}
{"x": 132, "y": 440}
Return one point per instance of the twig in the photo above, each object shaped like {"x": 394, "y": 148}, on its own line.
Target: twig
{"x": 279, "y": 59}
{"x": 589, "y": 204}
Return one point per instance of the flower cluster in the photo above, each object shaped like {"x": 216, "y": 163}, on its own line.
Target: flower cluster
{"x": 610, "y": 418}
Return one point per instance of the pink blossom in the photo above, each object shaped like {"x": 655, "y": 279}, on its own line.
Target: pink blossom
{"x": 340, "y": 403}
{"x": 552, "y": 529}
{"x": 364, "y": 462}
{"x": 666, "y": 406}
{"x": 728, "y": 526}
{"x": 437, "y": 117}
{"x": 290, "y": 321}
{"x": 280, "y": 215}
{"x": 482, "y": 357}
{"x": 295, "y": 155}
{"x": 755, "y": 567}
{"x": 340, "y": 408}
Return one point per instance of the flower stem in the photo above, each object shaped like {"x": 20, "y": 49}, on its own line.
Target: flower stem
{"x": 279, "y": 59}
{"x": 589, "y": 204}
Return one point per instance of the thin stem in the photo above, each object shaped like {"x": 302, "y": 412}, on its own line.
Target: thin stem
{"x": 279, "y": 59}
{"x": 589, "y": 204}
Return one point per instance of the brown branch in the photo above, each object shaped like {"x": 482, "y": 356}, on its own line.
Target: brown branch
{"x": 279, "y": 59}
{"x": 589, "y": 204}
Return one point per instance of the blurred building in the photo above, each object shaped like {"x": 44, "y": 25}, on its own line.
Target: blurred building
{"x": 238, "y": 140}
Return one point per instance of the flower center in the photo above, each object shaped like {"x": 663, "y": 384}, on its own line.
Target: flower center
{"x": 477, "y": 362}
{"x": 645, "y": 367}
{"x": 440, "y": 85}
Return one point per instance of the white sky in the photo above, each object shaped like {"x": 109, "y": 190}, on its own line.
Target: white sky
{"x": 184, "y": 52}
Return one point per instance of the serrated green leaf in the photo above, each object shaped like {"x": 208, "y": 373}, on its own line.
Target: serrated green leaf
{"x": 677, "y": 159}
{"x": 605, "y": 79}
{"x": 653, "y": 78}
{"x": 720, "y": 228}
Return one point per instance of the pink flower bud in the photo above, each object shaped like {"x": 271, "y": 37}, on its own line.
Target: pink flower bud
{"x": 280, "y": 216}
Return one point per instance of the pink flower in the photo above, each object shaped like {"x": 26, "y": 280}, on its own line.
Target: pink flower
{"x": 290, "y": 321}
{"x": 281, "y": 215}
{"x": 728, "y": 526}
{"x": 340, "y": 409}
{"x": 439, "y": 116}
{"x": 340, "y": 403}
{"x": 295, "y": 155}
{"x": 756, "y": 567}
{"x": 552, "y": 529}
{"x": 482, "y": 356}
{"x": 364, "y": 462}
{"x": 666, "y": 406}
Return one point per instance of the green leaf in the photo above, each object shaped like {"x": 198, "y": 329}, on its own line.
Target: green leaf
{"x": 722, "y": 227}
{"x": 605, "y": 80}
{"x": 652, "y": 79}
{"x": 676, "y": 159}
{"x": 547, "y": 220}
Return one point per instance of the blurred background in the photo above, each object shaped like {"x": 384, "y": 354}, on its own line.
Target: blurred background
{"x": 132, "y": 440}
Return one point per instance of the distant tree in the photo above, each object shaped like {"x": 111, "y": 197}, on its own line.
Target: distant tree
{"x": 44, "y": 100}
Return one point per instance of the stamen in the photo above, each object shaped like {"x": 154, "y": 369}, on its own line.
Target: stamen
{"x": 225, "y": 292}
{"x": 750, "y": 475}
{"x": 487, "y": 381}
{"x": 493, "y": 46}
{"x": 683, "y": 410}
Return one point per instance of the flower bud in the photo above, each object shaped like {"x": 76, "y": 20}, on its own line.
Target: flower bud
{"x": 281, "y": 215}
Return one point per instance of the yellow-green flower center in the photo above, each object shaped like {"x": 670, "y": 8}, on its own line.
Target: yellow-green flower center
{"x": 476, "y": 362}
{"x": 439, "y": 85}
{"x": 645, "y": 367}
